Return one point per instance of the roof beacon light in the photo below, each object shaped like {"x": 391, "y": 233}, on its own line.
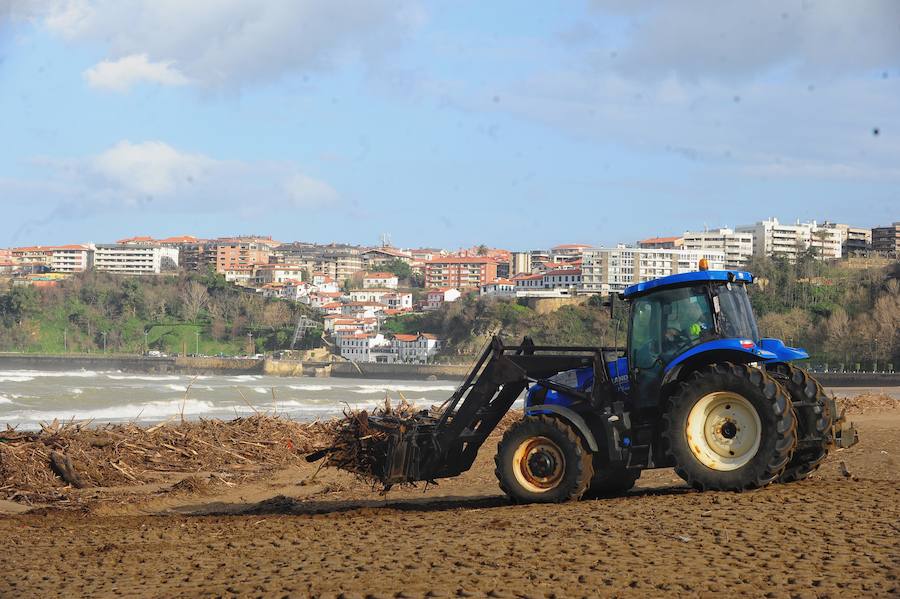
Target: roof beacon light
{"x": 704, "y": 265}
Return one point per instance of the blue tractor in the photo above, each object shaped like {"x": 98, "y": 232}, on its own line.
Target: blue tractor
{"x": 696, "y": 388}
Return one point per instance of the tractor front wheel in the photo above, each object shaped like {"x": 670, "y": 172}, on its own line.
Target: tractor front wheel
{"x": 729, "y": 427}
{"x": 541, "y": 459}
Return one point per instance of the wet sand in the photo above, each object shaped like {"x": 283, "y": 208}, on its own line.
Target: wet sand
{"x": 836, "y": 534}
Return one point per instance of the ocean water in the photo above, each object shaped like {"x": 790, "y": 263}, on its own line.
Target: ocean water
{"x": 29, "y": 397}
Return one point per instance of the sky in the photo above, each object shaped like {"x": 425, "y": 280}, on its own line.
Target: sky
{"x": 443, "y": 124}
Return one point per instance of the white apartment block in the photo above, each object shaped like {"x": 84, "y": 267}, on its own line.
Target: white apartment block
{"x": 737, "y": 246}
{"x": 398, "y": 301}
{"x": 567, "y": 278}
{"x": 384, "y": 280}
{"x": 607, "y": 270}
{"x": 374, "y": 347}
{"x": 134, "y": 259}
{"x": 772, "y": 238}
{"x": 72, "y": 258}
{"x": 438, "y": 297}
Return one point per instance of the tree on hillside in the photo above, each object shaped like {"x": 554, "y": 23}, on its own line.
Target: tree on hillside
{"x": 194, "y": 298}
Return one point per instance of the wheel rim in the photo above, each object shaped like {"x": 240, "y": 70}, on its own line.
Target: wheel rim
{"x": 724, "y": 431}
{"x": 538, "y": 464}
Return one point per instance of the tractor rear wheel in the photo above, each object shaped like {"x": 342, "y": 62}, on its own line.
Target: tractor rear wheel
{"x": 541, "y": 459}
{"x": 611, "y": 481}
{"x": 729, "y": 427}
{"x": 814, "y": 419}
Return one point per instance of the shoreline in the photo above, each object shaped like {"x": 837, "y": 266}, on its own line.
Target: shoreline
{"x": 296, "y": 368}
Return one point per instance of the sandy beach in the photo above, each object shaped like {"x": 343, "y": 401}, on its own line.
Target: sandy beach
{"x": 289, "y": 534}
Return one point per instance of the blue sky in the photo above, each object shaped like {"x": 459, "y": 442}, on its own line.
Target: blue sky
{"x": 443, "y": 123}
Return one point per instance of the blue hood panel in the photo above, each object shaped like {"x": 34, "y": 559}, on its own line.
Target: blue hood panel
{"x": 782, "y": 352}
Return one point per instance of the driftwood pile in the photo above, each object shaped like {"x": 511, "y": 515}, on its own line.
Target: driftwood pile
{"x": 866, "y": 403}
{"x": 42, "y": 466}
{"x": 357, "y": 446}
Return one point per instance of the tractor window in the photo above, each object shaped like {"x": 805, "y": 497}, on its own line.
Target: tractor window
{"x": 735, "y": 313}
{"x": 666, "y": 323}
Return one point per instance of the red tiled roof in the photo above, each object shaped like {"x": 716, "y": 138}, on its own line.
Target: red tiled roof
{"x": 403, "y": 337}
{"x": 570, "y": 246}
{"x": 527, "y": 277}
{"x": 660, "y": 240}
{"x": 563, "y": 271}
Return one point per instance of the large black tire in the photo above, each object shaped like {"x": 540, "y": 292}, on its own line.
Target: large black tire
{"x": 541, "y": 459}
{"x": 611, "y": 481}
{"x": 729, "y": 427}
{"x": 814, "y": 419}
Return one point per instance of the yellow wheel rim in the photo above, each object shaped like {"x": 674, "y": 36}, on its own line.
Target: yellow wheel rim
{"x": 723, "y": 431}
{"x": 538, "y": 464}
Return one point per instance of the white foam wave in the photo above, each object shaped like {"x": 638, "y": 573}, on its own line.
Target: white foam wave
{"x": 260, "y": 389}
{"x": 151, "y": 410}
{"x": 175, "y": 387}
{"x": 368, "y": 389}
{"x": 4, "y": 399}
{"x": 244, "y": 378}
{"x": 48, "y": 374}
{"x": 77, "y": 391}
{"x": 311, "y": 387}
{"x": 16, "y": 379}
{"x": 137, "y": 377}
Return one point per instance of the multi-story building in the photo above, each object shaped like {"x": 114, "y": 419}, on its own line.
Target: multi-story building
{"x": 563, "y": 278}
{"x": 135, "y": 259}
{"x": 340, "y": 262}
{"x": 72, "y": 258}
{"x": 772, "y": 238}
{"x": 276, "y": 273}
{"x": 519, "y": 262}
{"x": 435, "y": 298}
{"x": 661, "y": 243}
{"x": 499, "y": 288}
{"x": 567, "y": 252}
{"x": 462, "y": 273}
{"x": 33, "y": 255}
{"x": 240, "y": 256}
{"x": 887, "y": 239}
{"x": 613, "y": 269}
{"x": 383, "y": 280}
{"x": 375, "y": 257}
{"x": 737, "y": 247}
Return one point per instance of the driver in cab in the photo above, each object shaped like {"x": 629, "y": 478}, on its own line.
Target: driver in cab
{"x": 689, "y": 324}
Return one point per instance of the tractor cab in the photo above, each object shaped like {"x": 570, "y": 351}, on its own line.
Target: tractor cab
{"x": 675, "y": 319}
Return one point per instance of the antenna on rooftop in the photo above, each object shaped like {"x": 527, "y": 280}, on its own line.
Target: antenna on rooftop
{"x": 385, "y": 240}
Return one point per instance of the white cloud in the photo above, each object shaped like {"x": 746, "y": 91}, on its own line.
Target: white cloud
{"x": 155, "y": 175}
{"x": 120, "y": 75}
{"x": 150, "y": 168}
{"x": 221, "y": 43}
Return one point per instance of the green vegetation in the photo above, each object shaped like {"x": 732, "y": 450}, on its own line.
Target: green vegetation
{"x": 96, "y": 311}
{"x": 840, "y": 315}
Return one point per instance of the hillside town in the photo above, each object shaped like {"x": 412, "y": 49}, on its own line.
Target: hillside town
{"x": 353, "y": 289}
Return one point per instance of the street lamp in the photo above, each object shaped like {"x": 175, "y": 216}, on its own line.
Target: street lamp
{"x": 104, "y": 333}
{"x": 250, "y": 337}
{"x": 874, "y": 354}
{"x": 197, "y": 333}
{"x": 146, "y": 343}
{"x": 66, "y": 340}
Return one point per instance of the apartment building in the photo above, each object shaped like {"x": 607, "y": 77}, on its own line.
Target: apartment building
{"x": 435, "y": 298}
{"x": 375, "y": 347}
{"x": 661, "y": 243}
{"x": 737, "y": 247}
{"x": 72, "y": 258}
{"x": 385, "y": 280}
{"x": 375, "y": 257}
{"x": 519, "y": 262}
{"x": 772, "y": 238}
{"x": 462, "y": 273}
{"x": 33, "y": 255}
{"x": 563, "y": 278}
{"x": 887, "y": 239}
{"x": 613, "y": 269}
{"x": 276, "y": 273}
{"x": 499, "y": 288}
{"x": 238, "y": 256}
{"x": 135, "y": 259}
